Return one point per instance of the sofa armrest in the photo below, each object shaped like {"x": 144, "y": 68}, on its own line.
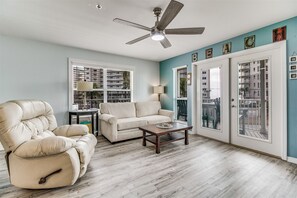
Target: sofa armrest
{"x": 108, "y": 118}
{"x": 167, "y": 113}
{"x": 108, "y": 126}
{"x": 44, "y": 147}
{"x": 71, "y": 130}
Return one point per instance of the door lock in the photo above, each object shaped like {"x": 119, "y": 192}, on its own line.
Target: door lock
{"x": 233, "y": 106}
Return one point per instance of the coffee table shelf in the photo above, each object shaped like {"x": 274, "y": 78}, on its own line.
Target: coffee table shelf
{"x": 165, "y": 138}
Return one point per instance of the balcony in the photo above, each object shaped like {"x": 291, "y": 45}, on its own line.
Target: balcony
{"x": 253, "y": 119}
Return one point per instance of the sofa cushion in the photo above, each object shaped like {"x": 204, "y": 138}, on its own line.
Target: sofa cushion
{"x": 130, "y": 123}
{"x": 147, "y": 108}
{"x": 119, "y": 110}
{"x": 155, "y": 119}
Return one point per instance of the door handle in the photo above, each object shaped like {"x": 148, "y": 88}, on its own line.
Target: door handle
{"x": 233, "y": 106}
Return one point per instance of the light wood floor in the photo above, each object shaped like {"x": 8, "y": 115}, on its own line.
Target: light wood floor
{"x": 204, "y": 168}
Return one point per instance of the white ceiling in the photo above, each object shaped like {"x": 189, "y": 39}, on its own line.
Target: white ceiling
{"x": 78, "y": 23}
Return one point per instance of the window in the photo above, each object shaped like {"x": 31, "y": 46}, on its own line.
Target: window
{"x": 109, "y": 85}
{"x": 182, "y": 83}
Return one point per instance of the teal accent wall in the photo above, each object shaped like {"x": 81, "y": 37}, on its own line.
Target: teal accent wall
{"x": 263, "y": 37}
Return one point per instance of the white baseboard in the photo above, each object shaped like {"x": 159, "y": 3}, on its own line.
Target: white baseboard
{"x": 292, "y": 160}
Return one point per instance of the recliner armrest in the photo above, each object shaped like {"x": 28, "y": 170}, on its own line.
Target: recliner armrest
{"x": 71, "y": 130}
{"x": 108, "y": 118}
{"x": 168, "y": 113}
{"x": 44, "y": 147}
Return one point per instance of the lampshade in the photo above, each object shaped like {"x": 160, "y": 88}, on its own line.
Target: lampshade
{"x": 84, "y": 86}
{"x": 159, "y": 89}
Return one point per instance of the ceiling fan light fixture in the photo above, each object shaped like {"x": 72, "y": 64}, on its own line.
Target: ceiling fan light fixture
{"x": 157, "y": 36}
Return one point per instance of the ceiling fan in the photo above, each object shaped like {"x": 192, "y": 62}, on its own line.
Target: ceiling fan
{"x": 159, "y": 31}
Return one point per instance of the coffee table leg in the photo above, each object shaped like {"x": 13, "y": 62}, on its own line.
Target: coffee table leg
{"x": 143, "y": 139}
{"x": 186, "y": 137}
{"x": 157, "y": 144}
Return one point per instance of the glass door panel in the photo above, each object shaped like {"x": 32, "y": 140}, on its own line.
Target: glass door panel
{"x": 181, "y": 97}
{"x": 211, "y": 98}
{"x": 253, "y": 99}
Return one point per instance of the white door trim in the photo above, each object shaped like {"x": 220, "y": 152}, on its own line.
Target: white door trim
{"x": 282, "y": 45}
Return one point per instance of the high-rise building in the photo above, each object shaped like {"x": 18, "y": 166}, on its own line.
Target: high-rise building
{"x": 117, "y": 88}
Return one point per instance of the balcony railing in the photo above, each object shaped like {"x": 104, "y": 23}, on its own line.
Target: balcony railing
{"x": 250, "y": 118}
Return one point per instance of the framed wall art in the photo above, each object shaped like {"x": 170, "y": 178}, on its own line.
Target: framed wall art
{"x": 227, "y": 48}
{"x": 208, "y": 53}
{"x": 279, "y": 34}
{"x": 195, "y": 57}
{"x": 189, "y": 78}
{"x": 249, "y": 42}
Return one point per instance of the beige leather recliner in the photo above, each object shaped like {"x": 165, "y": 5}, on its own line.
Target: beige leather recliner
{"x": 38, "y": 153}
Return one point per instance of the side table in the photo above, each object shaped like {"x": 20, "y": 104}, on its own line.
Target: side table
{"x": 90, "y": 112}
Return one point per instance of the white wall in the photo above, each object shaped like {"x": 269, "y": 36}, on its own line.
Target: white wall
{"x": 37, "y": 70}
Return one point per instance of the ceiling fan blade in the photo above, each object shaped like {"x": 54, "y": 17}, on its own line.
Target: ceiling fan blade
{"x": 170, "y": 13}
{"x": 188, "y": 31}
{"x": 122, "y": 21}
{"x": 138, "y": 39}
{"x": 165, "y": 43}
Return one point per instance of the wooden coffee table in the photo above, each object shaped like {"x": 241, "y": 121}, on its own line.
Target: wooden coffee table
{"x": 160, "y": 136}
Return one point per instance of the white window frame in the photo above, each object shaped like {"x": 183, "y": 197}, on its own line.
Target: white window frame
{"x": 97, "y": 65}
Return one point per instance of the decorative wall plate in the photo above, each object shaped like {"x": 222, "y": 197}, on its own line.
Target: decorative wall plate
{"x": 249, "y": 42}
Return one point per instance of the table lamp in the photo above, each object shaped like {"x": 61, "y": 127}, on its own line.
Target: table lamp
{"x": 159, "y": 90}
{"x": 84, "y": 86}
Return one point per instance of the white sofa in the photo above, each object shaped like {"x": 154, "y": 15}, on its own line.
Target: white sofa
{"x": 120, "y": 121}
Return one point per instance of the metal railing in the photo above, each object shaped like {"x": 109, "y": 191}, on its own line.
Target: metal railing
{"x": 250, "y": 122}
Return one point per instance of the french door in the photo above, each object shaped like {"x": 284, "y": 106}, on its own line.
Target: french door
{"x": 257, "y": 102}
{"x": 242, "y": 99}
{"x": 213, "y": 100}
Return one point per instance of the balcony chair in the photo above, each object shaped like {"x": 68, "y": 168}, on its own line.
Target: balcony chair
{"x": 39, "y": 154}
